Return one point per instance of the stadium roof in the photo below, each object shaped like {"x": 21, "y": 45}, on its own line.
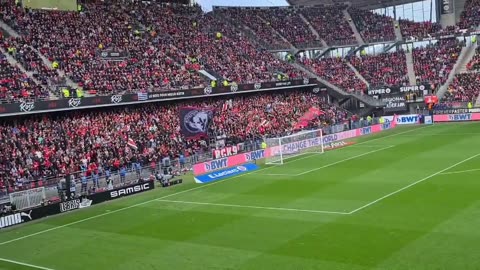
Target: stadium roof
{"x": 363, "y": 4}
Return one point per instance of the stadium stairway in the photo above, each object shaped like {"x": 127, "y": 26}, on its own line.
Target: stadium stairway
{"x": 276, "y": 32}
{"x": 358, "y": 37}
{"x": 412, "y": 78}
{"x": 324, "y": 44}
{"x": 340, "y": 92}
{"x": 69, "y": 82}
{"x": 398, "y": 31}
{"x": 462, "y": 61}
{"x": 13, "y": 62}
{"x": 358, "y": 74}
{"x": 14, "y": 33}
{"x": 462, "y": 68}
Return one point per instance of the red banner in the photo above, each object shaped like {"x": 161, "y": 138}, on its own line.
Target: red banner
{"x": 310, "y": 115}
{"x": 225, "y": 152}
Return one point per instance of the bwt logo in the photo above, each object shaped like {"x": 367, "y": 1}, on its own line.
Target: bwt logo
{"x": 386, "y": 125}
{"x": 460, "y": 117}
{"x": 409, "y": 119}
{"x": 255, "y": 155}
{"x": 216, "y": 164}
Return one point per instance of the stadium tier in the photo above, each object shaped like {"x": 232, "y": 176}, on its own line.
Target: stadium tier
{"x": 297, "y": 137}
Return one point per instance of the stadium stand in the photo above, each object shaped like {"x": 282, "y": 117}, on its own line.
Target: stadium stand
{"x": 289, "y": 24}
{"x": 262, "y": 30}
{"x": 16, "y": 86}
{"x": 465, "y": 87}
{"x": 434, "y": 62}
{"x": 470, "y": 17}
{"x": 41, "y": 147}
{"x": 418, "y": 29}
{"x": 330, "y": 24}
{"x": 474, "y": 64}
{"x": 373, "y": 27}
{"x": 385, "y": 69}
{"x": 336, "y": 71}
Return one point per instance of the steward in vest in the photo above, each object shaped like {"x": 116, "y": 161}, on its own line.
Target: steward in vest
{"x": 225, "y": 83}
{"x": 213, "y": 84}
{"x": 66, "y": 93}
{"x": 264, "y": 145}
{"x": 55, "y": 65}
{"x": 79, "y": 93}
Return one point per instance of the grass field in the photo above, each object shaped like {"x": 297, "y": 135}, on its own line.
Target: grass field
{"x": 408, "y": 198}
{"x": 70, "y": 5}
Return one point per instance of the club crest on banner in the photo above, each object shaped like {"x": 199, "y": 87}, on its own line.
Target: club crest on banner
{"x": 306, "y": 80}
{"x": 195, "y": 121}
{"x": 257, "y": 86}
{"x": 234, "y": 87}
{"x": 207, "y": 90}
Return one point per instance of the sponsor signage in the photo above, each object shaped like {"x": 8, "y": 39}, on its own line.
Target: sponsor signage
{"x": 114, "y": 55}
{"x": 446, "y": 6}
{"x": 69, "y": 205}
{"x": 225, "y": 152}
{"x": 408, "y": 119}
{"x": 115, "y": 100}
{"x": 397, "y": 89}
{"x": 395, "y": 103}
{"x": 14, "y": 219}
{"x": 62, "y": 207}
{"x": 235, "y": 160}
{"x": 130, "y": 190}
{"x": 428, "y": 119}
{"x": 456, "y": 117}
{"x": 222, "y": 174}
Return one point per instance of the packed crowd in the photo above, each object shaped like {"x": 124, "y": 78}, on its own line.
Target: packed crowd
{"x": 330, "y": 23}
{"x": 31, "y": 61}
{"x": 373, "y": 27}
{"x": 160, "y": 52}
{"x": 39, "y": 147}
{"x": 337, "y": 72}
{"x": 418, "y": 29}
{"x": 251, "y": 19}
{"x": 384, "y": 69}
{"x": 470, "y": 17}
{"x": 288, "y": 23}
{"x": 474, "y": 64}
{"x": 434, "y": 62}
{"x": 16, "y": 86}
{"x": 465, "y": 87}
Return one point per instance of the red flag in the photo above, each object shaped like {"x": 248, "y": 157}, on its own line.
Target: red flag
{"x": 132, "y": 143}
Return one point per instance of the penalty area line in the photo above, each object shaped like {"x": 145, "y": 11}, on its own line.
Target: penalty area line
{"x": 457, "y": 172}
{"x": 257, "y": 207}
{"x": 25, "y": 264}
{"x": 414, "y": 183}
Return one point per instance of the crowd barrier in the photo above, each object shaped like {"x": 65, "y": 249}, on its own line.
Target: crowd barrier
{"x": 66, "y": 206}
{"x": 235, "y": 160}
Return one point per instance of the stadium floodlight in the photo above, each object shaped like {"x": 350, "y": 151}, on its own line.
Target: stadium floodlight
{"x": 301, "y": 143}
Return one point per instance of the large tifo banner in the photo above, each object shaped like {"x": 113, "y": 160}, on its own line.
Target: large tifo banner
{"x": 456, "y": 117}
{"x": 227, "y": 162}
{"x": 194, "y": 121}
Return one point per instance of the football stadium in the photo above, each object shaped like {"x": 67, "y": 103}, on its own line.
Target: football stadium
{"x": 232, "y": 135}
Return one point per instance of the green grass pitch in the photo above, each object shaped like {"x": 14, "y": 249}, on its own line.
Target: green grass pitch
{"x": 70, "y": 5}
{"x": 408, "y": 198}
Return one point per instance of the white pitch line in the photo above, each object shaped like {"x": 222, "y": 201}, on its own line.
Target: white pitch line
{"x": 26, "y": 264}
{"x": 257, "y": 207}
{"x": 413, "y": 184}
{"x": 173, "y": 194}
{"x": 465, "y": 171}
{"x": 343, "y": 160}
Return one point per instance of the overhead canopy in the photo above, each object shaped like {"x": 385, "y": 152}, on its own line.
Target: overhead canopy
{"x": 363, "y": 4}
